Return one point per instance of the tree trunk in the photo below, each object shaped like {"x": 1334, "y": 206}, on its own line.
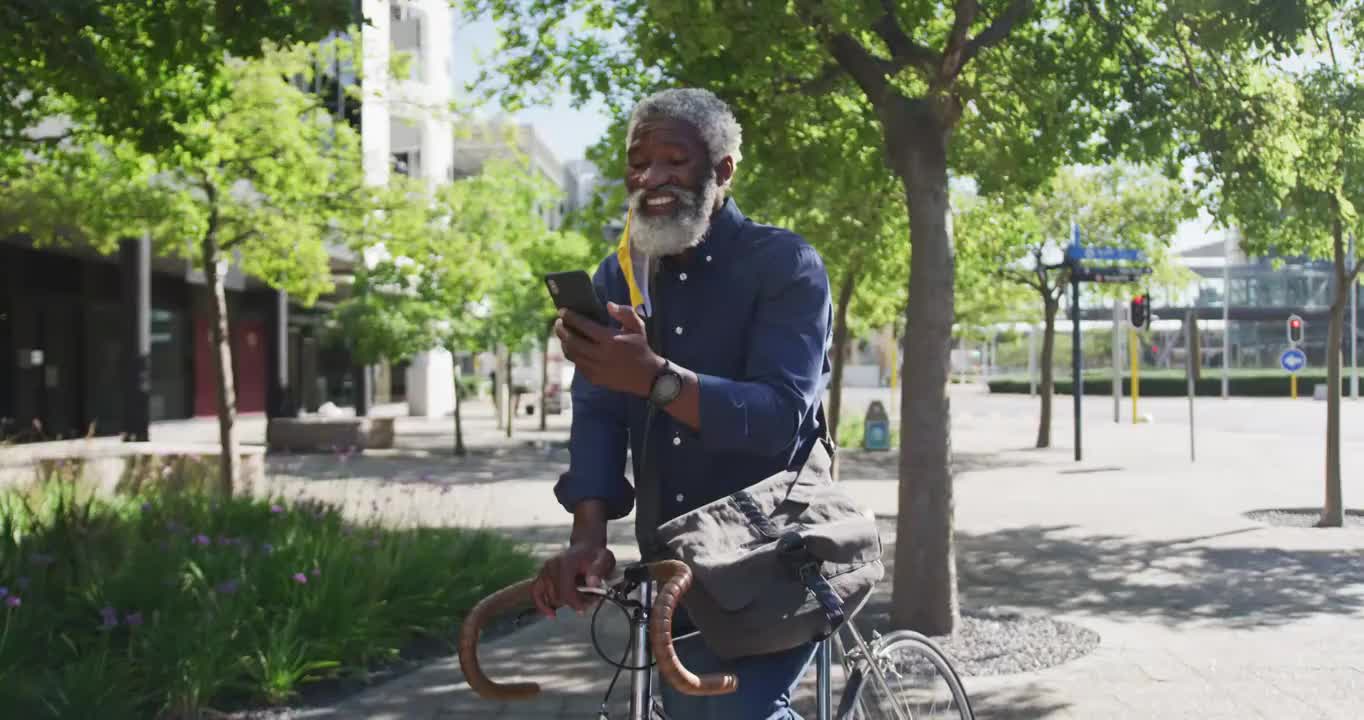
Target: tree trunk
{"x": 544, "y": 376}
{"x": 1333, "y": 512}
{"x": 460, "y": 450}
{"x": 1048, "y": 384}
{"x": 511, "y": 396}
{"x": 835, "y": 409}
{"x": 230, "y": 456}
{"x": 925, "y": 579}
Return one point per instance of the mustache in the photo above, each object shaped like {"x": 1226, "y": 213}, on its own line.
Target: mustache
{"x": 687, "y": 198}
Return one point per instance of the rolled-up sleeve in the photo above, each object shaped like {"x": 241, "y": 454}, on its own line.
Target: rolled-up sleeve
{"x": 597, "y": 445}
{"x": 762, "y": 411}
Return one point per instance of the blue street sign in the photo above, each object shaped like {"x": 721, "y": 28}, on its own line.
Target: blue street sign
{"x": 1080, "y": 252}
{"x": 1292, "y": 360}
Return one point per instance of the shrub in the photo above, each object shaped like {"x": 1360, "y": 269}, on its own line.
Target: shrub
{"x": 1166, "y": 384}
{"x": 166, "y": 603}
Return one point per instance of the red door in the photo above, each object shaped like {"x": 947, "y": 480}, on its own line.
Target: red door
{"x": 248, "y": 350}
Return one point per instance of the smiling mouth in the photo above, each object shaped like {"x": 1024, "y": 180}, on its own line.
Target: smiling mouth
{"x": 659, "y": 203}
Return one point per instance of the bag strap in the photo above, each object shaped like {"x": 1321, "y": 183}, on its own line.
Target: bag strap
{"x": 791, "y": 548}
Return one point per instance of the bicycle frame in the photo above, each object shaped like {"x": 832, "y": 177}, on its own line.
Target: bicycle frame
{"x": 642, "y": 698}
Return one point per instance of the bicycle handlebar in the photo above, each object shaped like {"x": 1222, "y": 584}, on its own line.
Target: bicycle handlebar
{"x": 674, "y": 579}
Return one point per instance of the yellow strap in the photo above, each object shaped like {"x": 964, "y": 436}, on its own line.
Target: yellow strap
{"x": 627, "y": 265}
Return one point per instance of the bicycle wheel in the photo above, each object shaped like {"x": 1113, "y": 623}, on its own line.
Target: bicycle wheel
{"x": 915, "y": 681}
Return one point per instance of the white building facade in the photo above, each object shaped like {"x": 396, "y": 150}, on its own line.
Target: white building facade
{"x": 405, "y": 127}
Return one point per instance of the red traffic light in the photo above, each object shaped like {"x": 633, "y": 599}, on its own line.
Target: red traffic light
{"x": 1139, "y": 299}
{"x": 1295, "y": 323}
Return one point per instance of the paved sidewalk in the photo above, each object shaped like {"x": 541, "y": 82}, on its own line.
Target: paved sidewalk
{"x": 1202, "y": 612}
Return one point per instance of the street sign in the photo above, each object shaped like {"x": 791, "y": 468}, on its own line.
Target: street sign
{"x": 1110, "y": 274}
{"x": 1293, "y": 360}
{"x": 1081, "y": 252}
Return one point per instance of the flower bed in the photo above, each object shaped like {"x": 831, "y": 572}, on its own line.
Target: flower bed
{"x": 164, "y": 604}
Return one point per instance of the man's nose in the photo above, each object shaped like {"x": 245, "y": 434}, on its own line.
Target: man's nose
{"x": 654, "y": 176}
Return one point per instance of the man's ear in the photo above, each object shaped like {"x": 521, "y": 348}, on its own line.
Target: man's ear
{"x": 724, "y": 172}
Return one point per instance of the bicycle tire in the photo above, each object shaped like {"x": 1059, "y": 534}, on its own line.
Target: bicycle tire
{"x": 898, "y": 649}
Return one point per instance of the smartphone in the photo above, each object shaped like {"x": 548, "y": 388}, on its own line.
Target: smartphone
{"x": 573, "y": 290}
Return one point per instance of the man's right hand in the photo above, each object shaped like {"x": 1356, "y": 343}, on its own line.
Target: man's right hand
{"x": 558, "y": 581}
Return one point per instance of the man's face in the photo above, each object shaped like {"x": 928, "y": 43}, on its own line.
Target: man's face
{"x": 673, "y": 188}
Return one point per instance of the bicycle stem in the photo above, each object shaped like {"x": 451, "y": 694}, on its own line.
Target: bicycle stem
{"x": 641, "y": 678}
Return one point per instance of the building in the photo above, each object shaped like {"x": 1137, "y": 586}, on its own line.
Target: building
{"x": 475, "y": 143}
{"x": 103, "y": 345}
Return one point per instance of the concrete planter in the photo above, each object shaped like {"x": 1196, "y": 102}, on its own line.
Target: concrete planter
{"x": 109, "y": 466}
{"x": 316, "y": 434}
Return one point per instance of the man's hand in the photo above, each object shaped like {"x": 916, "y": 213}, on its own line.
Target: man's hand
{"x": 557, "y": 584}
{"x": 620, "y": 361}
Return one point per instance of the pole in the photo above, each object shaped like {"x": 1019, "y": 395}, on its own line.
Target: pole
{"x": 1076, "y": 359}
{"x": 1134, "y": 352}
{"x": 1354, "y": 325}
{"x": 1189, "y": 359}
{"x": 1226, "y": 315}
{"x": 1293, "y": 387}
{"x": 824, "y": 692}
{"x": 1032, "y": 360}
{"x": 1117, "y": 362}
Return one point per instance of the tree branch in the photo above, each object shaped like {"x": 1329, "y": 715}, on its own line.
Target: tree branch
{"x": 964, "y": 16}
{"x": 992, "y": 35}
{"x": 868, "y": 70}
{"x": 902, "y": 48}
{"x": 238, "y": 240}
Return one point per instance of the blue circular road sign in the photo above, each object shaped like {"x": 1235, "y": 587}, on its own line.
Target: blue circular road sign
{"x": 1293, "y": 360}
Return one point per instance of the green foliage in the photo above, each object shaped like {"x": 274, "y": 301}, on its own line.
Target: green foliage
{"x": 461, "y": 268}
{"x": 1270, "y": 383}
{"x": 164, "y": 602}
{"x": 135, "y": 70}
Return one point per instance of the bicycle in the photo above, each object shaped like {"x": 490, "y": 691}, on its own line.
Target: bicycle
{"x": 650, "y": 594}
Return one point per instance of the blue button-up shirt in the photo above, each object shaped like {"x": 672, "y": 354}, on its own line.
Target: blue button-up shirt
{"x": 750, "y": 314}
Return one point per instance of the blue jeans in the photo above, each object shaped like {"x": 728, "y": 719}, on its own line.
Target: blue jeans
{"x": 766, "y": 683}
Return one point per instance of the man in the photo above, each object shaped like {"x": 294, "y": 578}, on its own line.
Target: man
{"x": 741, "y": 313}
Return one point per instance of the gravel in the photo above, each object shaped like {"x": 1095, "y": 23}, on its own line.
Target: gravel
{"x": 1001, "y": 642}
{"x": 1301, "y": 517}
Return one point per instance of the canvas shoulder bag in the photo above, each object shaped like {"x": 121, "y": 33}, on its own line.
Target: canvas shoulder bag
{"x": 776, "y": 565}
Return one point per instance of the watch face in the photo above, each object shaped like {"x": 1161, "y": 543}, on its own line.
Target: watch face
{"x": 667, "y": 388}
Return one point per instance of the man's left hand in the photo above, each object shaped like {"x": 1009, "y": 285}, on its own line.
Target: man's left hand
{"x": 616, "y": 360}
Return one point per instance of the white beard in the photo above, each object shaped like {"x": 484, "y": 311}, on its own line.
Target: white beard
{"x": 671, "y": 235}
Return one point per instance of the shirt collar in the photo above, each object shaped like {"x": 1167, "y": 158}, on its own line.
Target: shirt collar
{"x": 719, "y": 240}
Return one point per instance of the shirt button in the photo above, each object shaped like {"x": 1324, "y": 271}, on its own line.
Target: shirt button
{"x": 678, "y": 329}
{"x": 682, "y": 277}
{"x": 679, "y": 497}
{"x": 707, "y": 258}
{"x": 677, "y": 440}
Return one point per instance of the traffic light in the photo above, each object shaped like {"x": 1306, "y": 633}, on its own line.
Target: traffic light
{"x": 1140, "y": 311}
{"x": 1295, "y": 329}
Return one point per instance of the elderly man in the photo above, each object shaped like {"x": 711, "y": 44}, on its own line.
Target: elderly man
{"x": 741, "y": 317}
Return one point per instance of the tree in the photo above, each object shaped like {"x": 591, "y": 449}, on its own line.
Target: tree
{"x": 1020, "y": 239}
{"x": 133, "y": 70}
{"x": 263, "y": 177}
{"x": 1276, "y": 113}
{"x": 1003, "y": 91}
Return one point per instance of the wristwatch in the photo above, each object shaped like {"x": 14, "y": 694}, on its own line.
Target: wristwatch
{"x": 667, "y": 386}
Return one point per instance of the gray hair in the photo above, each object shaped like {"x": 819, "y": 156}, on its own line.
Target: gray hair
{"x": 699, "y": 108}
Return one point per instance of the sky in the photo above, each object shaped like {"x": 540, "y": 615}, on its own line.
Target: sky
{"x": 567, "y": 131}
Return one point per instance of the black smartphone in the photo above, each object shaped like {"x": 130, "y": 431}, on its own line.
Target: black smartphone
{"x": 573, "y": 290}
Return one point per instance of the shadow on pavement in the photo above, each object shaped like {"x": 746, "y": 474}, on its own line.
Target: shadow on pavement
{"x": 1172, "y": 582}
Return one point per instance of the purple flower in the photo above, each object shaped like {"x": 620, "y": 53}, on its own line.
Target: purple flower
{"x": 276, "y": 509}
{"x": 13, "y": 601}
{"x": 267, "y": 548}
{"x": 3, "y": 591}
{"x": 146, "y": 507}
{"x": 227, "y": 587}
{"x": 300, "y": 578}
{"x": 110, "y": 618}
{"x": 201, "y": 540}
{"x": 172, "y": 526}
{"x": 133, "y": 619}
